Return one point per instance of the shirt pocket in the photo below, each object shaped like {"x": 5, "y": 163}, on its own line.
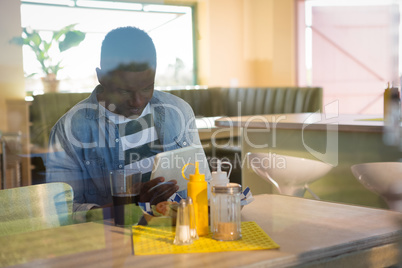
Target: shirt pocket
{"x": 98, "y": 177}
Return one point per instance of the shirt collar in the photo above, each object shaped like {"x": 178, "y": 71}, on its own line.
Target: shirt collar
{"x": 95, "y": 110}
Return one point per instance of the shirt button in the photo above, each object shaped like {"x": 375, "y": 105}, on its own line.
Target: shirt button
{"x": 184, "y": 143}
{"x": 87, "y": 162}
{"x": 120, "y": 166}
{"x": 116, "y": 140}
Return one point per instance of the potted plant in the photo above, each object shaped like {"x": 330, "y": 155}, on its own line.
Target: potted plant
{"x": 64, "y": 39}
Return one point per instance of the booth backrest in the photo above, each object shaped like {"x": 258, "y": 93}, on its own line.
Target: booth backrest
{"x": 251, "y": 101}
{"x": 254, "y": 101}
{"x": 46, "y": 109}
{"x": 205, "y": 102}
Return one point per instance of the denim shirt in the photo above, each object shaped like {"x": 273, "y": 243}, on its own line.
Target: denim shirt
{"x": 84, "y": 146}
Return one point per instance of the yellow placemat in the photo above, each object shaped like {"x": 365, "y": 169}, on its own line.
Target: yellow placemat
{"x": 371, "y": 119}
{"x": 159, "y": 240}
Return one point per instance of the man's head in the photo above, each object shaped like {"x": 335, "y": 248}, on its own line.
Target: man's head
{"x": 127, "y": 71}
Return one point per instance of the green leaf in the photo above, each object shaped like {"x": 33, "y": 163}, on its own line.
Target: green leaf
{"x": 25, "y": 30}
{"x": 55, "y": 68}
{"x": 41, "y": 56}
{"x": 17, "y": 40}
{"x": 36, "y": 39}
{"x": 46, "y": 45}
{"x": 63, "y": 31}
{"x": 72, "y": 39}
{"x": 68, "y": 36}
{"x": 30, "y": 75}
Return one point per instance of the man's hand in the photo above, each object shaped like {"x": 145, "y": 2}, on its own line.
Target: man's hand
{"x": 156, "y": 190}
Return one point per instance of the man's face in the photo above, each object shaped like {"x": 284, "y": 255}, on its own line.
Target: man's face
{"x": 127, "y": 93}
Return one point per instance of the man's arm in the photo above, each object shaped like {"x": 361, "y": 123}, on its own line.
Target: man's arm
{"x": 63, "y": 166}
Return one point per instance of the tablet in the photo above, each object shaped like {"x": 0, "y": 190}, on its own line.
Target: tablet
{"x": 169, "y": 165}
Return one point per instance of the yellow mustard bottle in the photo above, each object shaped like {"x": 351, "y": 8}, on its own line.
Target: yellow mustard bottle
{"x": 197, "y": 189}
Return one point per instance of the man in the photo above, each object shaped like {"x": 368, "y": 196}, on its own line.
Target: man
{"x": 122, "y": 125}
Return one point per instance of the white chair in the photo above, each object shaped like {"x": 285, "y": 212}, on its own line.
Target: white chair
{"x": 290, "y": 175}
{"x": 382, "y": 178}
{"x": 35, "y": 207}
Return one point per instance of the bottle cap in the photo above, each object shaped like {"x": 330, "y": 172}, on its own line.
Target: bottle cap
{"x": 220, "y": 177}
{"x": 197, "y": 176}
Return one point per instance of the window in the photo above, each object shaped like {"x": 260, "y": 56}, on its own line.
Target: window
{"x": 171, "y": 28}
{"x": 350, "y": 48}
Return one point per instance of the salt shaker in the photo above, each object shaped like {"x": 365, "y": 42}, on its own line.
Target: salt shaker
{"x": 225, "y": 212}
{"x": 183, "y": 232}
{"x": 193, "y": 226}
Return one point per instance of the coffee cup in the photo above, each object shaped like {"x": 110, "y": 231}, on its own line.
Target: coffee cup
{"x": 125, "y": 186}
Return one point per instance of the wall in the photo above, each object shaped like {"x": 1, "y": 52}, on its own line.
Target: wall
{"x": 12, "y": 85}
{"x": 246, "y": 42}
{"x": 14, "y": 115}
